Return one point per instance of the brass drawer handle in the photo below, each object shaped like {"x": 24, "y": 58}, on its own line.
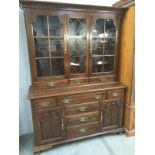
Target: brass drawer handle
{"x": 115, "y": 94}
{"x": 97, "y": 97}
{"x": 101, "y": 116}
{"x": 51, "y": 84}
{"x": 44, "y": 104}
{"x": 66, "y": 100}
{"x": 82, "y": 130}
{"x": 62, "y": 124}
{"x": 83, "y": 119}
{"x": 82, "y": 109}
{"x": 103, "y": 79}
{"x": 77, "y": 82}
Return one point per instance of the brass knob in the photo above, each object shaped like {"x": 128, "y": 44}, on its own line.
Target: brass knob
{"x": 103, "y": 79}
{"x": 77, "y": 82}
{"x": 66, "y": 100}
{"x": 51, "y": 84}
{"x": 115, "y": 94}
{"x": 82, "y": 130}
{"x": 97, "y": 97}
{"x": 83, "y": 119}
{"x": 84, "y": 108}
{"x": 44, "y": 104}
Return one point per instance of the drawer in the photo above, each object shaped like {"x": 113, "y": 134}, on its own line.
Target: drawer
{"x": 82, "y": 130}
{"x": 115, "y": 93}
{"x": 82, "y": 118}
{"x": 44, "y": 103}
{"x": 81, "y": 108}
{"x": 50, "y": 84}
{"x": 109, "y": 78}
{"x": 83, "y": 98}
{"x": 78, "y": 81}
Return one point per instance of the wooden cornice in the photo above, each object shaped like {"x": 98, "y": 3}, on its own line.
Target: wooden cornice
{"x": 48, "y": 4}
{"x": 124, "y": 3}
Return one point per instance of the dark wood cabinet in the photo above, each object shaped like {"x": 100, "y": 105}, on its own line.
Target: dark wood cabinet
{"x": 74, "y": 61}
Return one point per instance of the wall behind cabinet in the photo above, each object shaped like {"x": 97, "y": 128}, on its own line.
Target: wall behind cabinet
{"x": 25, "y": 120}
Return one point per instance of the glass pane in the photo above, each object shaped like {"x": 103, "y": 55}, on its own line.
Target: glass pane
{"x": 43, "y": 67}
{"x": 97, "y": 46}
{"x": 40, "y": 26}
{"x": 57, "y": 47}
{"x": 77, "y": 64}
{"x": 57, "y": 67}
{"x": 110, "y": 46}
{"x": 97, "y": 64}
{"x": 110, "y": 28}
{"x": 77, "y": 46}
{"x": 103, "y": 43}
{"x": 108, "y": 64}
{"x": 41, "y": 47}
{"x": 55, "y": 26}
{"x": 77, "y": 27}
{"x": 98, "y": 30}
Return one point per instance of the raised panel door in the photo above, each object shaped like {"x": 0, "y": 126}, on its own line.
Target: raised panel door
{"x": 111, "y": 115}
{"x": 49, "y": 126}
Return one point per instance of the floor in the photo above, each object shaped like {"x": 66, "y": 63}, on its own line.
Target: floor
{"x": 102, "y": 145}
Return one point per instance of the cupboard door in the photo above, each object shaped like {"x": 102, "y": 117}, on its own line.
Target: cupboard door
{"x": 111, "y": 115}
{"x": 102, "y": 46}
{"x": 49, "y": 53}
{"x": 49, "y": 126}
{"x": 77, "y": 45}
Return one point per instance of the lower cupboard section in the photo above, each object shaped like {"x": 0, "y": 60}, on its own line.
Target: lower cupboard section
{"x": 53, "y": 125}
{"x": 66, "y": 118}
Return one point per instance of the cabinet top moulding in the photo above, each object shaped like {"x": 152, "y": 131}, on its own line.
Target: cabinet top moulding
{"x": 48, "y": 4}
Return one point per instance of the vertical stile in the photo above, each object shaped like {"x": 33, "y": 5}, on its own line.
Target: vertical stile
{"x": 49, "y": 47}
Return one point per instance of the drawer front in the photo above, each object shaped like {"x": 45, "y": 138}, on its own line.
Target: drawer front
{"x": 51, "y": 84}
{"x": 115, "y": 93}
{"x": 82, "y": 130}
{"x": 82, "y": 118}
{"x": 78, "y": 81}
{"x": 83, "y": 98}
{"x": 45, "y": 103}
{"x": 102, "y": 79}
{"x": 81, "y": 108}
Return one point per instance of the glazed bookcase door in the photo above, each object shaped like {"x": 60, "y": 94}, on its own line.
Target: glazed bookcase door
{"x": 103, "y": 46}
{"x": 49, "y": 126}
{"x": 78, "y": 45}
{"x": 49, "y": 45}
{"x": 111, "y": 115}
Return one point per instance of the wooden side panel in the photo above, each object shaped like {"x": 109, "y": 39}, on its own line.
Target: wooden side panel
{"x": 129, "y": 119}
{"x": 126, "y": 70}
